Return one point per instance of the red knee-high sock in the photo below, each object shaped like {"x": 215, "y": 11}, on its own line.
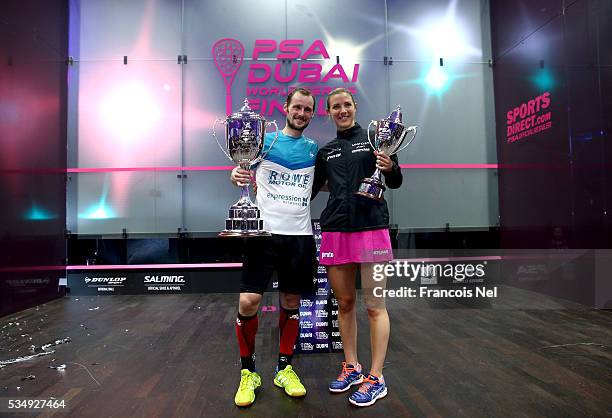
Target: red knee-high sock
{"x": 288, "y": 324}
{"x": 246, "y": 329}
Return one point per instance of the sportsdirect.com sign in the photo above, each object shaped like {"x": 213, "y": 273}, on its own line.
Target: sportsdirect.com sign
{"x": 528, "y": 118}
{"x": 306, "y": 65}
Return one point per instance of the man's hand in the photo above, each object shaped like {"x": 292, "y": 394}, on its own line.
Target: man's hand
{"x": 383, "y": 162}
{"x": 240, "y": 177}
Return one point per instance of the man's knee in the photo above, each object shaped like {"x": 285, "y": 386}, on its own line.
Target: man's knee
{"x": 290, "y": 301}
{"x": 249, "y": 303}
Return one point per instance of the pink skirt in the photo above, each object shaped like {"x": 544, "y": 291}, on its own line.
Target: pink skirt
{"x": 372, "y": 246}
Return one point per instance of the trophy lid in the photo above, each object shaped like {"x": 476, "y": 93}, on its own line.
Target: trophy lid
{"x": 246, "y": 113}
{"x": 396, "y": 115}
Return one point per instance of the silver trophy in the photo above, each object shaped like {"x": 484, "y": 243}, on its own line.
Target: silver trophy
{"x": 244, "y": 141}
{"x": 389, "y": 137}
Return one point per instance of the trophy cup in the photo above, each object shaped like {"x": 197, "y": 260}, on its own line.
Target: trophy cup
{"x": 389, "y": 135}
{"x": 244, "y": 141}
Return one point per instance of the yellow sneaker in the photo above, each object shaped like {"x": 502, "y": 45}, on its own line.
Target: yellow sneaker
{"x": 249, "y": 381}
{"x": 290, "y": 381}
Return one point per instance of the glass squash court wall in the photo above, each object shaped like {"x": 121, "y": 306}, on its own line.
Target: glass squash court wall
{"x": 144, "y": 93}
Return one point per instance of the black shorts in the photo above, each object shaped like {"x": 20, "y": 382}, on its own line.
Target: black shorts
{"x": 293, "y": 257}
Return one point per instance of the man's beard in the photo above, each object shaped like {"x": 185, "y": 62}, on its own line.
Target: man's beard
{"x": 292, "y": 126}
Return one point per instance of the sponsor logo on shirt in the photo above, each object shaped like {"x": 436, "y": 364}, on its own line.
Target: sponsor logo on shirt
{"x": 360, "y": 147}
{"x": 289, "y": 199}
{"x": 289, "y": 179}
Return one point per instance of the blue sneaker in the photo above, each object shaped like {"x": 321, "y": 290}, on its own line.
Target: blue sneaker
{"x": 370, "y": 391}
{"x": 347, "y": 378}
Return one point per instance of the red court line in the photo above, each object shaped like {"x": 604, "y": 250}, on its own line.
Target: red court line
{"x": 153, "y": 266}
{"x": 450, "y": 166}
{"x": 239, "y": 265}
{"x": 230, "y": 167}
{"x": 26, "y": 269}
{"x": 438, "y": 259}
{"x": 18, "y": 269}
{"x": 115, "y": 169}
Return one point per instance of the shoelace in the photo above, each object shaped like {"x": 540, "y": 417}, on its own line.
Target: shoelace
{"x": 285, "y": 375}
{"x": 345, "y": 372}
{"x": 365, "y": 386}
{"x": 247, "y": 383}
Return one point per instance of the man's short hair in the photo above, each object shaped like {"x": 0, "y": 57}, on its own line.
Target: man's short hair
{"x": 304, "y": 92}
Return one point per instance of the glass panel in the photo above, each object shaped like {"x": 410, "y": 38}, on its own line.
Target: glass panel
{"x": 456, "y": 126}
{"x": 129, "y": 115}
{"x": 530, "y": 70}
{"x": 103, "y": 133}
{"x": 140, "y": 29}
{"x": 453, "y": 108}
{"x": 431, "y": 198}
{"x": 208, "y": 196}
{"x": 520, "y": 18}
{"x": 354, "y": 30}
{"x": 206, "y": 101}
{"x": 425, "y": 30}
{"x": 370, "y": 93}
{"x": 205, "y": 22}
{"x": 140, "y": 202}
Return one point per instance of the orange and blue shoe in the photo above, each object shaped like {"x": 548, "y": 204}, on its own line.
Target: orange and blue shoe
{"x": 371, "y": 390}
{"x": 348, "y": 377}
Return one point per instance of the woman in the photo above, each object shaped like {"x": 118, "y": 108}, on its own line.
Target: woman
{"x": 355, "y": 236}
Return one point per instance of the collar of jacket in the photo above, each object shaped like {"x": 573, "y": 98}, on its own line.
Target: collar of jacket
{"x": 349, "y": 132}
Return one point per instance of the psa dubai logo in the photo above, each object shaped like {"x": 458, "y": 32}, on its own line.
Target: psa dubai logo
{"x": 307, "y": 66}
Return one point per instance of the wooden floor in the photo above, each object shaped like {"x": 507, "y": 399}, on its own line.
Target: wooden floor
{"x": 176, "y": 355}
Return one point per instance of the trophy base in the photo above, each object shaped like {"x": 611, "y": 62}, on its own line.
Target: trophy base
{"x": 371, "y": 188}
{"x": 241, "y": 234}
{"x": 244, "y": 222}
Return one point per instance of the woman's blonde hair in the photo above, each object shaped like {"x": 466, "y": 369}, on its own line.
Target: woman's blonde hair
{"x": 338, "y": 91}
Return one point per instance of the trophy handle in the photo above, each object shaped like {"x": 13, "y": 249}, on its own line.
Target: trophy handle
{"x": 375, "y": 123}
{"x": 217, "y": 140}
{"x": 263, "y": 155}
{"x": 410, "y": 128}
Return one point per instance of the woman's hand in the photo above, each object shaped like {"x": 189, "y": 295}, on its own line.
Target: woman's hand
{"x": 240, "y": 176}
{"x": 383, "y": 162}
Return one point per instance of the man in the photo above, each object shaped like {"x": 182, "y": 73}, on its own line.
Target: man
{"x": 284, "y": 182}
